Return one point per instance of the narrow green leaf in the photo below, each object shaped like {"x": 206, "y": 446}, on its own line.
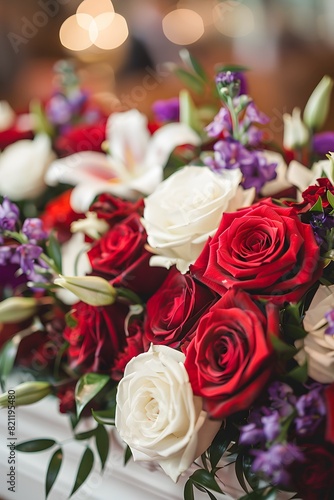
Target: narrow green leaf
{"x": 299, "y": 373}
{"x": 7, "y": 360}
{"x": 330, "y": 198}
{"x": 71, "y": 321}
{"x": 54, "y": 252}
{"x": 35, "y": 445}
{"x": 219, "y": 446}
{"x": 85, "y": 435}
{"x": 188, "y": 492}
{"x": 127, "y": 455}
{"x": 203, "y": 478}
{"x": 104, "y": 417}
{"x": 239, "y": 472}
{"x": 296, "y": 332}
{"x": 193, "y": 64}
{"x": 285, "y": 350}
{"x": 88, "y": 386}
{"x": 53, "y": 470}
{"x": 188, "y": 112}
{"x": 84, "y": 469}
{"x": 190, "y": 80}
{"x": 317, "y": 207}
{"x": 102, "y": 444}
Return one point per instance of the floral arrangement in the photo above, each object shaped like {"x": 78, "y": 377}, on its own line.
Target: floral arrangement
{"x": 174, "y": 279}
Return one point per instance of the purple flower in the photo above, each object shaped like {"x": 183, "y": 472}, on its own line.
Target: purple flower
{"x": 311, "y": 410}
{"x": 222, "y": 121}
{"x": 9, "y": 215}
{"x": 26, "y": 255}
{"x": 167, "y": 110}
{"x": 33, "y": 229}
{"x": 229, "y": 154}
{"x": 282, "y": 398}
{"x": 6, "y": 253}
{"x": 59, "y": 110}
{"x": 251, "y": 434}
{"x": 330, "y": 318}
{"x": 323, "y": 142}
{"x": 271, "y": 426}
{"x": 227, "y": 77}
{"x": 273, "y": 464}
{"x": 254, "y": 115}
{"x": 322, "y": 225}
{"x": 258, "y": 172}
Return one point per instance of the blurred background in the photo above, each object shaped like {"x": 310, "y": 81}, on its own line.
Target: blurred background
{"x": 120, "y": 47}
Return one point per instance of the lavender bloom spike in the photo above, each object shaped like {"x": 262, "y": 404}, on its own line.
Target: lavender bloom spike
{"x": 33, "y": 229}
{"x": 274, "y": 463}
{"x": 271, "y": 426}
{"x": 221, "y": 122}
{"x": 311, "y": 410}
{"x": 26, "y": 255}
{"x": 330, "y": 318}
{"x": 167, "y": 110}
{"x": 9, "y": 215}
{"x": 282, "y": 398}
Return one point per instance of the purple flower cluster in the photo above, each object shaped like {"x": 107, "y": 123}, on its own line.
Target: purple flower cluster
{"x": 230, "y": 154}
{"x": 33, "y": 230}
{"x": 9, "y": 217}
{"x": 167, "y": 110}
{"x": 267, "y": 429}
{"x": 330, "y": 318}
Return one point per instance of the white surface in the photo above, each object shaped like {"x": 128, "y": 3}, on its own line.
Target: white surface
{"x": 132, "y": 482}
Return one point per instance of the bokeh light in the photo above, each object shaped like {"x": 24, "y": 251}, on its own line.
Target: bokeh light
{"x": 233, "y": 19}
{"x": 183, "y": 26}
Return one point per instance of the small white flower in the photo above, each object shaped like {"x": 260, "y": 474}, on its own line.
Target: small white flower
{"x": 92, "y": 226}
{"x": 296, "y": 133}
{"x": 157, "y": 414}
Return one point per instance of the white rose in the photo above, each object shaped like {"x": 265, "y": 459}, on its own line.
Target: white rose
{"x": 317, "y": 348}
{"x": 23, "y": 166}
{"x": 157, "y": 414}
{"x": 186, "y": 209}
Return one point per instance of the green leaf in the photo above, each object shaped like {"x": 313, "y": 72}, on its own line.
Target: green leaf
{"x": 330, "y": 198}
{"x": 239, "y": 472}
{"x": 299, "y": 373}
{"x": 41, "y": 123}
{"x": 317, "y": 207}
{"x": 205, "y": 479}
{"x": 7, "y": 360}
{"x": 193, "y": 64}
{"x": 104, "y": 417}
{"x": 102, "y": 444}
{"x": 85, "y": 435}
{"x": 127, "y": 455}
{"x": 296, "y": 332}
{"x": 190, "y": 80}
{"x": 35, "y": 445}
{"x": 285, "y": 350}
{"x": 188, "y": 112}
{"x": 84, "y": 469}
{"x": 53, "y": 470}
{"x": 54, "y": 252}
{"x": 219, "y": 446}
{"x": 188, "y": 492}
{"x": 88, "y": 386}
{"x": 71, "y": 321}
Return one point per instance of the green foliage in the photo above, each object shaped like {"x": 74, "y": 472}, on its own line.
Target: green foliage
{"x": 53, "y": 470}
{"x": 54, "y": 252}
{"x": 102, "y": 444}
{"x": 7, "y": 360}
{"x": 85, "y": 467}
{"x": 88, "y": 386}
{"x": 35, "y": 445}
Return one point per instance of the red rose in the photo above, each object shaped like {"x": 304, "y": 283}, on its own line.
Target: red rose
{"x": 120, "y": 256}
{"x": 81, "y": 137}
{"x": 134, "y": 345}
{"x": 114, "y": 209}
{"x": 229, "y": 360}
{"x": 314, "y": 478}
{"x": 97, "y": 338}
{"x": 312, "y": 194}
{"x": 12, "y": 135}
{"x": 175, "y": 308}
{"x": 264, "y": 249}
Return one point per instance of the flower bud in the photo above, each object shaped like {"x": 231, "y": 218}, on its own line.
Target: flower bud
{"x": 92, "y": 226}
{"x": 296, "y": 133}
{"x": 16, "y": 309}
{"x": 26, "y": 393}
{"x": 92, "y": 290}
{"x": 317, "y": 107}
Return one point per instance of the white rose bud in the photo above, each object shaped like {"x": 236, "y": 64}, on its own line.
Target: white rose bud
{"x": 16, "y": 309}
{"x": 92, "y": 290}
{"x": 317, "y": 107}
{"x": 26, "y": 393}
{"x": 296, "y": 133}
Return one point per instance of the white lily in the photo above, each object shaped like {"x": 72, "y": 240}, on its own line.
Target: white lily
{"x": 133, "y": 166}
{"x": 296, "y": 133}
{"x": 303, "y": 177}
{"x": 7, "y": 116}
